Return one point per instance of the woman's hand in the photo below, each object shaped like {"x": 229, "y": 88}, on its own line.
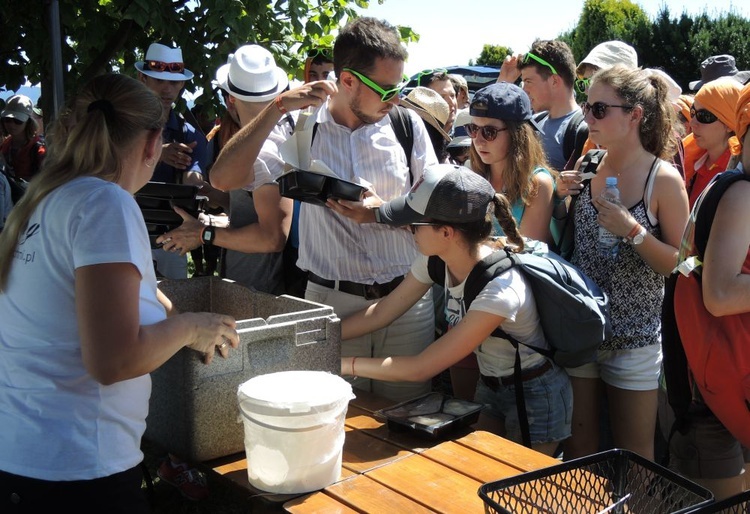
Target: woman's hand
{"x": 212, "y": 333}
{"x": 568, "y": 183}
{"x": 614, "y": 217}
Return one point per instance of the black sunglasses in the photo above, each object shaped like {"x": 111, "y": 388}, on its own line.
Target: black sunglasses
{"x": 703, "y": 116}
{"x": 13, "y": 120}
{"x": 599, "y": 109}
{"x": 489, "y": 133}
{"x": 413, "y": 226}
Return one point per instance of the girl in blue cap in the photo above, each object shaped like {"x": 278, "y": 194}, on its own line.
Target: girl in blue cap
{"x": 450, "y": 213}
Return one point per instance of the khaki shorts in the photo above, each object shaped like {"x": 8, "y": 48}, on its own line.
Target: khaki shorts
{"x": 707, "y": 450}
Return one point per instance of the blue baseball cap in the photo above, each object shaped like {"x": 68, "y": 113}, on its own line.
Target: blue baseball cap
{"x": 503, "y": 101}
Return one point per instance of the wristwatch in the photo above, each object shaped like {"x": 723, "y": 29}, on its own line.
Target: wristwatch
{"x": 639, "y": 237}
{"x": 208, "y": 235}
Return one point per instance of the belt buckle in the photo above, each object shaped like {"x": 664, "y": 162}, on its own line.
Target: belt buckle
{"x": 372, "y": 291}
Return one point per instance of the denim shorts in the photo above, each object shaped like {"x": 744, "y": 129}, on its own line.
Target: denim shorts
{"x": 549, "y": 406}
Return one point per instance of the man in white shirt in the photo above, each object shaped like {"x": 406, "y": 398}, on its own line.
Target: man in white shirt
{"x": 351, "y": 259}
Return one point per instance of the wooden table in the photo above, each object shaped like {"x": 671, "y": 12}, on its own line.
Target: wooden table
{"x": 385, "y": 471}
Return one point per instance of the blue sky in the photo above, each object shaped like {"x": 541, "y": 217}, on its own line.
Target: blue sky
{"x": 454, "y": 31}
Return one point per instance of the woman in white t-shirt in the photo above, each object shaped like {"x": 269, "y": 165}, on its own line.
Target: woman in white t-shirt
{"x": 83, "y": 323}
{"x": 449, "y": 212}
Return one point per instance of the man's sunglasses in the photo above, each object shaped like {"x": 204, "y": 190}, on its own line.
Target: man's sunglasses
{"x": 386, "y": 95}
{"x": 703, "y": 116}
{"x": 538, "y": 59}
{"x": 413, "y": 226}
{"x": 599, "y": 109}
{"x": 172, "y": 67}
{"x": 489, "y": 133}
{"x": 426, "y": 75}
{"x": 325, "y": 53}
{"x": 13, "y": 120}
{"x": 582, "y": 85}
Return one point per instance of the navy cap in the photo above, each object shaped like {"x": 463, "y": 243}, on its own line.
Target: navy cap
{"x": 503, "y": 101}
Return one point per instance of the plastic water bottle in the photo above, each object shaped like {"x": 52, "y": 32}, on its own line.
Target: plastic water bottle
{"x": 609, "y": 244}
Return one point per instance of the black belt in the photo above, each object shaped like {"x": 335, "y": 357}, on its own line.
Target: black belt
{"x": 494, "y": 382}
{"x": 367, "y": 291}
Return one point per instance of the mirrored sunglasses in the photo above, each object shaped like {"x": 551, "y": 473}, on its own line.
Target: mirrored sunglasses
{"x": 599, "y": 109}
{"x": 489, "y": 133}
{"x": 703, "y": 116}
{"x": 172, "y": 67}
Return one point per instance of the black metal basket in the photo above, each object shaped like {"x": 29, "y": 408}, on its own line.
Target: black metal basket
{"x": 737, "y": 504}
{"x": 616, "y": 481}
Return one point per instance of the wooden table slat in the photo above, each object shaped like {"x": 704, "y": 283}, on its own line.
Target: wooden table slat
{"x": 367, "y": 495}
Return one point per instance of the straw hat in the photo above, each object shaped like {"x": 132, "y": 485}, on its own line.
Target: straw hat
{"x": 251, "y": 75}
{"x": 430, "y": 106}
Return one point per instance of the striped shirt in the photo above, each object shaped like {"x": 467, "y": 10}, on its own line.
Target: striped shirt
{"x": 336, "y": 248}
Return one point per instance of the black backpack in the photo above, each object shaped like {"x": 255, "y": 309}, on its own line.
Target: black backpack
{"x": 573, "y": 310}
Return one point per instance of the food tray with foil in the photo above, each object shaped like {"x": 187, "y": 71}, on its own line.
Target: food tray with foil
{"x": 433, "y": 414}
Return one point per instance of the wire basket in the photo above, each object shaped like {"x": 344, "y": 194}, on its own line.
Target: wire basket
{"x": 737, "y": 504}
{"x": 615, "y": 481}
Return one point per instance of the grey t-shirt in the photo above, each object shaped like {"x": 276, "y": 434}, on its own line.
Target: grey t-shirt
{"x": 553, "y": 137}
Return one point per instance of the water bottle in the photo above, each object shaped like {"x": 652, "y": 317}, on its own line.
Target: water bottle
{"x": 609, "y": 244}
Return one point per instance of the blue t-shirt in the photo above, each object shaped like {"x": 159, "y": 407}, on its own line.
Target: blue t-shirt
{"x": 177, "y": 130}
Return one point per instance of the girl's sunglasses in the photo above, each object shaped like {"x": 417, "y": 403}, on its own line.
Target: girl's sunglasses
{"x": 599, "y": 109}
{"x": 413, "y": 226}
{"x": 703, "y": 116}
{"x": 13, "y": 120}
{"x": 488, "y": 133}
{"x": 172, "y": 67}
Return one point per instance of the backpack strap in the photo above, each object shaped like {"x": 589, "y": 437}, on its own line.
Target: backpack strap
{"x": 576, "y": 133}
{"x": 402, "y": 127}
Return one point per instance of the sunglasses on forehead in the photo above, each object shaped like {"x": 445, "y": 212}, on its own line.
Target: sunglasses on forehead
{"x": 426, "y": 75}
{"x": 386, "y": 95}
{"x": 325, "y": 53}
{"x": 172, "y": 67}
{"x": 538, "y": 59}
{"x": 489, "y": 133}
{"x": 703, "y": 116}
{"x": 599, "y": 109}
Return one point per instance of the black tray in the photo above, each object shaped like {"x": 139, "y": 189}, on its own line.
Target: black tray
{"x": 618, "y": 480}
{"x": 310, "y": 187}
{"x": 434, "y": 415}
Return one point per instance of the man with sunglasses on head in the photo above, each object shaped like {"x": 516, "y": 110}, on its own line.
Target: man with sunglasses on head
{"x": 352, "y": 260}
{"x": 548, "y": 76}
{"x": 319, "y": 64}
{"x": 439, "y": 81}
{"x": 184, "y": 154}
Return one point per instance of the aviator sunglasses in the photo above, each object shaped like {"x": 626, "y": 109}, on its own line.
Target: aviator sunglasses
{"x": 703, "y": 116}
{"x": 488, "y": 133}
{"x": 386, "y": 95}
{"x": 172, "y": 67}
{"x": 599, "y": 109}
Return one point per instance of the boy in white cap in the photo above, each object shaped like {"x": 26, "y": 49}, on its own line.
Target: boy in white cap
{"x": 260, "y": 217}
{"x": 183, "y": 157}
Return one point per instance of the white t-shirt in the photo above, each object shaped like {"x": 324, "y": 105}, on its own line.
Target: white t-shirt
{"x": 58, "y": 423}
{"x": 509, "y": 296}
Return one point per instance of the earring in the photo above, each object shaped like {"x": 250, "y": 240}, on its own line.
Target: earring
{"x": 149, "y": 162}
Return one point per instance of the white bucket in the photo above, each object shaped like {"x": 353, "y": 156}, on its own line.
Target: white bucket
{"x": 294, "y": 429}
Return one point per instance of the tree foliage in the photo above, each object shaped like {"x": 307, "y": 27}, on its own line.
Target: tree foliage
{"x": 493, "y": 55}
{"x": 101, "y": 36}
{"x": 675, "y": 44}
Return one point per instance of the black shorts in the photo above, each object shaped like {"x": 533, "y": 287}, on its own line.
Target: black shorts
{"x": 120, "y": 493}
